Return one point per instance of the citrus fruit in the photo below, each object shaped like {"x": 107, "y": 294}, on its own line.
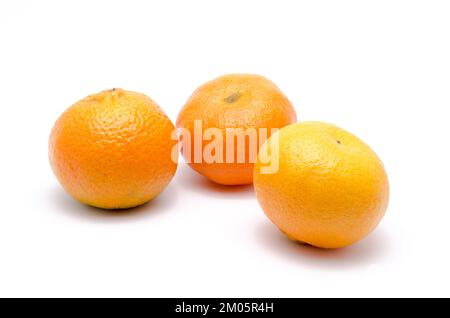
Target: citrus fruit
{"x": 330, "y": 189}
{"x": 239, "y": 107}
{"x": 112, "y": 150}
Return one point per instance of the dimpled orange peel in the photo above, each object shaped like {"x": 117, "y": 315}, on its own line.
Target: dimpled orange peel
{"x": 113, "y": 150}
{"x": 229, "y": 102}
{"x": 330, "y": 189}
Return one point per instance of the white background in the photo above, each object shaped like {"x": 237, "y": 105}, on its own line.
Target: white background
{"x": 380, "y": 69}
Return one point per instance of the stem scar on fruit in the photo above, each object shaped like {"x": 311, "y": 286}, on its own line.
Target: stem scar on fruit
{"x": 233, "y": 97}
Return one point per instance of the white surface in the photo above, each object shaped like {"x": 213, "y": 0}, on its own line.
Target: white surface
{"x": 380, "y": 69}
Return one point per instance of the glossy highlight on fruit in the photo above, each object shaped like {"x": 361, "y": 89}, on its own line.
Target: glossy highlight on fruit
{"x": 113, "y": 149}
{"x": 330, "y": 190}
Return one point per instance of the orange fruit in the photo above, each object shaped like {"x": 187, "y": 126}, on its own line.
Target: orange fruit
{"x": 112, "y": 150}
{"x": 330, "y": 189}
{"x": 234, "y": 105}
